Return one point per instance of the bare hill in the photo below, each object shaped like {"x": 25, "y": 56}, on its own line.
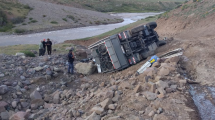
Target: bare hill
{"x": 50, "y": 16}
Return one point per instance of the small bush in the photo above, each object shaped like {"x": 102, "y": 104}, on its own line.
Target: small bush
{"x": 54, "y": 22}
{"x": 34, "y": 21}
{"x": 64, "y": 19}
{"x": 184, "y": 7}
{"x": 17, "y": 20}
{"x": 97, "y": 22}
{"x": 24, "y": 24}
{"x": 6, "y": 27}
{"x": 28, "y": 53}
{"x": 44, "y": 15}
{"x": 30, "y": 18}
{"x": 19, "y": 31}
{"x": 27, "y": 7}
{"x": 71, "y": 17}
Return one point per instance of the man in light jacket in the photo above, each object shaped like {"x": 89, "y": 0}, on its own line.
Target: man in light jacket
{"x": 41, "y": 49}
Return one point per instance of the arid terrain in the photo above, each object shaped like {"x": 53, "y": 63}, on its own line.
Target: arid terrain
{"x": 178, "y": 88}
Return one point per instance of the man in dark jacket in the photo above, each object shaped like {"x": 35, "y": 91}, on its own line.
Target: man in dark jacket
{"x": 71, "y": 58}
{"x": 44, "y": 46}
{"x": 49, "y": 46}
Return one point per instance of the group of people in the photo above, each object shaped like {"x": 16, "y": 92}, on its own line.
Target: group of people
{"x": 43, "y": 45}
{"x": 48, "y": 44}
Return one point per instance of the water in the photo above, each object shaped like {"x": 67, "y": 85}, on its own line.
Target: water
{"x": 72, "y": 34}
{"x": 205, "y": 106}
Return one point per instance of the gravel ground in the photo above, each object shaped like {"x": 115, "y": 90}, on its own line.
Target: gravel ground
{"x": 44, "y": 13}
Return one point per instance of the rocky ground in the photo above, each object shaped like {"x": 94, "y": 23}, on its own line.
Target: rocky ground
{"x": 39, "y": 89}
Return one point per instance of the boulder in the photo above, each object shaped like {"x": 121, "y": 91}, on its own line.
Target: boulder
{"x": 112, "y": 106}
{"x": 137, "y": 89}
{"x": 105, "y": 103}
{"x": 97, "y": 110}
{"x": 3, "y": 89}
{"x": 2, "y": 75}
{"x": 125, "y": 85}
{"x": 5, "y": 115}
{"x": 24, "y": 104}
{"x": 80, "y": 54}
{"x": 150, "y": 95}
{"x": 36, "y": 103}
{"x": 93, "y": 116}
{"x": 38, "y": 68}
{"x": 14, "y": 104}
{"x": 163, "y": 71}
{"x": 20, "y": 54}
{"x": 162, "y": 84}
{"x": 19, "y": 116}
{"x": 3, "y": 104}
{"x": 56, "y": 98}
{"x": 156, "y": 64}
{"x": 115, "y": 118}
{"x": 85, "y": 68}
{"x": 35, "y": 95}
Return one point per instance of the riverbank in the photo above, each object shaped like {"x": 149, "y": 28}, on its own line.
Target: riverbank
{"x": 60, "y": 47}
{"x": 60, "y": 36}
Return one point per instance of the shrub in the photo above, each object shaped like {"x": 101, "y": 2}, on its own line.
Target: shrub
{"x": 27, "y": 7}
{"x": 30, "y": 18}
{"x": 28, "y": 53}
{"x": 71, "y": 17}
{"x": 19, "y": 31}
{"x": 3, "y": 18}
{"x": 17, "y": 20}
{"x": 54, "y": 22}
{"x": 64, "y": 19}
{"x": 184, "y": 7}
{"x": 97, "y": 22}
{"x": 34, "y": 21}
{"x": 44, "y": 15}
{"x": 24, "y": 24}
{"x": 6, "y": 27}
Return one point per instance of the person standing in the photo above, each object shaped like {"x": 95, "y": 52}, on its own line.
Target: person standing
{"x": 41, "y": 49}
{"x": 44, "y": 46}
{"x": 71, "y": 58}
{"x": 49, "y": 46}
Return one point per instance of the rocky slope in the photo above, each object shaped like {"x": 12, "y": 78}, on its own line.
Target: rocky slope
{"x": 38, "y": 89}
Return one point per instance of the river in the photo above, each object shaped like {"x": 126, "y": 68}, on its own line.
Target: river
{"x": 74, "y": 33}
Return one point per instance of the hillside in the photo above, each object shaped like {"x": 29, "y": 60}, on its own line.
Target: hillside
{"x": 11, "y": 12}
{"x": 52, "y": 16}
{"x": 121, "y": 5}
{"x": 38, "y": 16}
{"x": 192, "y": 26}
{"x": 46, "y": 15}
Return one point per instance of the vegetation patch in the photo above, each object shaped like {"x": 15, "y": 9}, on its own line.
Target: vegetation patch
{"x": 34, "y": 21}
{"x": 54, "y": 22}
{"x": 28, "y": 53}
{"x": 19, "y": 31}
{"x": 64, "y": 19}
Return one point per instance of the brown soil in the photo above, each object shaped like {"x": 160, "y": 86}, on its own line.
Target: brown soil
{"x": 196, "y": 36}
